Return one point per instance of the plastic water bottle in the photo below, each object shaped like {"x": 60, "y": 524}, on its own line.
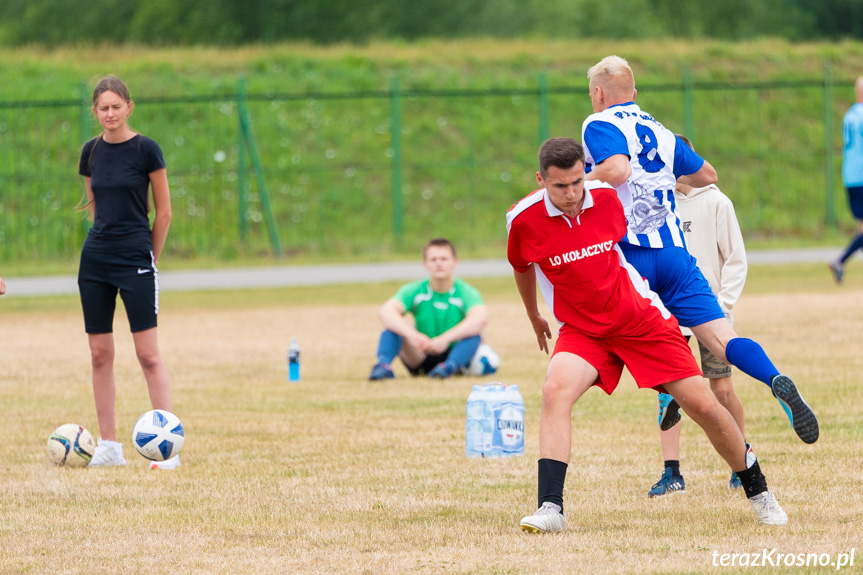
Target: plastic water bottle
{"x": 510, "y": 422}
{"x": 294, "y": 361}
{"x": 492, "y": 396}
{"x": 473, "y": 428}
{"x": 495, "y": 421}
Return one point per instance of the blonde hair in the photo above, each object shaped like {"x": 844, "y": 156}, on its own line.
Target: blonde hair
{"x": 614, "y": 76}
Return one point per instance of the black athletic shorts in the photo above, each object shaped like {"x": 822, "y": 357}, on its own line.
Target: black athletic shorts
{"x": 428, "y": 364}
{"x": 855, "y": 200}
{"x": 102, "y": 274}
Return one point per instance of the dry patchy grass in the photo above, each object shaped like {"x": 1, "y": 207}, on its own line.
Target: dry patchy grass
{"x": 338, "y": 474}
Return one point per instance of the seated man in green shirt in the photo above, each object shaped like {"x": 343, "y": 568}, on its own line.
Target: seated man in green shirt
{"x": 448, "y": 317}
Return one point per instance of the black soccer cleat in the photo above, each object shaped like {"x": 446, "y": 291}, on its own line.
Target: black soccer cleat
{"x": 802, "y": 417}
{"x": 669, "y": 412}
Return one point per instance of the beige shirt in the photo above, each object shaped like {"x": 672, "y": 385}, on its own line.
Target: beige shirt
{"x": 713, "y": 237}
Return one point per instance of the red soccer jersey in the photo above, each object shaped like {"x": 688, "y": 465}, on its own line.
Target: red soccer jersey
{"x": 582, "y": 275}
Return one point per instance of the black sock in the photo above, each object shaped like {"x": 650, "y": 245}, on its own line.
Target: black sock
{"x": 674, "y": 464}
{"x": 752, "y": 480}
{"x": 551, "y": 474}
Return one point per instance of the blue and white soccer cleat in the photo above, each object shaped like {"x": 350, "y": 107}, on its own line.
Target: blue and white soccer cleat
{"x": 669, "y": 412}
{"x": 802, "y": 417}
{"x": 734, "y": 482}
{"x": 668, "y": 483}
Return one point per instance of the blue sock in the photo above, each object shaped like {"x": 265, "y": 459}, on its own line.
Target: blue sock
{"x": 389, "y": 346}
{"x": 461, "y": 353}
{"x": 855, "y": 245}
{"x": 749, "y": 357}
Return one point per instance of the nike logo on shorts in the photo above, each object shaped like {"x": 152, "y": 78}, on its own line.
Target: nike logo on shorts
{"x": 142, "y": 271}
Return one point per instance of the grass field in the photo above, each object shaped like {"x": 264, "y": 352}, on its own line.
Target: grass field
{"x": 336, "y": 474}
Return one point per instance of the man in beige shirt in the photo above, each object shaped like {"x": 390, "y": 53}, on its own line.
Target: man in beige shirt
{"x": 713, "y": 237}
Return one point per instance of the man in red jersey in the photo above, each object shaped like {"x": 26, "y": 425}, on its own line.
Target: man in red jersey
{"x": 565, "y": 236}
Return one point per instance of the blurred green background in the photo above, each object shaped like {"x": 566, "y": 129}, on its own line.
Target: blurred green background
{"x": 287, "y": 143}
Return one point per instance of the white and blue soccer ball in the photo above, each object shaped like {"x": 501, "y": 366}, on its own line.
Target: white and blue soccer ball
{"x": 158, "y": 435}
{"x": 484, "y": 362}
{"x": 71, "y": 445}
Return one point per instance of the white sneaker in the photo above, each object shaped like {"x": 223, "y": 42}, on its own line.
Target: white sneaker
{"x": 172, "y": 463}
{"x": 768, "y": 510}
{"x": 548, "y": 519}
{"x": 107, "y": 454}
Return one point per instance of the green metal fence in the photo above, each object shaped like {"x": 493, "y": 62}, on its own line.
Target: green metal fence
{"x": 382, "y": 171}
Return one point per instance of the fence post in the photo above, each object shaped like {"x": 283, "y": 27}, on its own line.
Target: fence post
{"x": 242, "y": 183}
{"x": 759, "y": 153}
{"x": 246, "y": 131}
{"x": 829, "y": 183}
{"x": 543, "y": 108}
{"x": 396, "y": 142}
{"x": 688, "y": 115}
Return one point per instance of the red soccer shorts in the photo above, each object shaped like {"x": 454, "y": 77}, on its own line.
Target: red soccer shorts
{"x": 655, "y": 353}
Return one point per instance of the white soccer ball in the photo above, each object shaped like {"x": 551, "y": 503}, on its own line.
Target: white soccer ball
{"x": 484, "y": 362}
{"x": 158, "y": 435}
{"x": 71, "y": 445}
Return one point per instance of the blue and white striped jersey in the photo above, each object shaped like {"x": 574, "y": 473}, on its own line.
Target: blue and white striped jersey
{"x": 657, "y": 157}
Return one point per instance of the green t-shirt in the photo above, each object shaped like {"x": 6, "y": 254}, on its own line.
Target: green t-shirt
{"x": 435, "y": 312}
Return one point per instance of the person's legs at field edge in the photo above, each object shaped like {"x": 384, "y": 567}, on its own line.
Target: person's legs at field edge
{"x": 567, "y": 378}
{"x": 723, "y": 389}
{"x": 718, "y": 374}
{"x": 158, "y": 382}
{"x": 150, "y": 359}
{"x": 699, "y": 403}
{"x": 671, "y": 479}
{"x": 702, "y": 407}
{"x": 674, "y": 275}
{"x": 104, "y": 388}
{"x": 670, "y": 440}
{"x": 837, "y": 266}
{"x": 389, "y": 345}
{"x": 411, "y": 356}
{"x": 458, "y": 357}
{"x": 719, "y": 337}
{"x": 716, "y": 334}
{"x": 108, "y": 451}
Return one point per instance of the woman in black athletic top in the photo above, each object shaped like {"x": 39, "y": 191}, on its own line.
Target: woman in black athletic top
{"x": 120, "y": 254}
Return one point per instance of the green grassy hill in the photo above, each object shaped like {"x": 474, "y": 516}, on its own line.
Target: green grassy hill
{"x": 470, "y": 116}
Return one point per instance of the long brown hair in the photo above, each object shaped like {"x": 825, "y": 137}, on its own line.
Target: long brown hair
{"x": 109, "y": 83}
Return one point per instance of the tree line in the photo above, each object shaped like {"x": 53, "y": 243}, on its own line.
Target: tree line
{"x": 237, "y": 22}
